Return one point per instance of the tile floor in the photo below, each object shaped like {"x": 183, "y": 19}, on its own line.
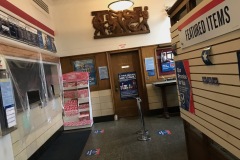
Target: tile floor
{"x": 119, "y": 140}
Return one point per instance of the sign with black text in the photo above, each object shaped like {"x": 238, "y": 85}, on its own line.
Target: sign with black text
{"x": 216, "y": 18}
{"x": 128, "y": 85}
{"x": 184, "y": 85}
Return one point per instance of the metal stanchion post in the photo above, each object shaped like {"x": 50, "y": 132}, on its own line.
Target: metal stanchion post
{"x": 144, "y": 136}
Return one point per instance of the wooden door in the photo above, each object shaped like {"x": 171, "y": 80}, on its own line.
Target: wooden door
{"x": 126, "y": 63}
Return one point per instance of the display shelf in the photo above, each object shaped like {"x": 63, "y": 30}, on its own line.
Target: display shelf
{"x": 83, "y": 110}
{"x": 84, "y": 115}
{"x": 83, "y": 100}
{"x": 77, "y": 103}
{"x": 73, "y": 88}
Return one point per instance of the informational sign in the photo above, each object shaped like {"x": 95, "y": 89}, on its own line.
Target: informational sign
{"x": 86, "y": 65}
{"x": 8, "y": 102}
{"x": 150, "y": 68}
{"x": 100, "y": 131}
{"x": 216, "y": 18}
{"x": 103, "y": 72}
{"x": 238, "y": 56}
{"x": 128, "y": 85}
{"x": 93, "y": 152}
{"x": 40, "y": 39}
{"x": 184, "y": 85}
{"x": 165, "y": 61}
{"x": 210, "y": 80}
{"x": 164, "y": 132}
{"x": 15, "y": 29}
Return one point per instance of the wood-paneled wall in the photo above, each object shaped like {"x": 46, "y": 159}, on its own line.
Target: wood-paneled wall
{"x": 100, "y": 60}
{"x": 217, "y": 107}
{"x": 149, "y": 51}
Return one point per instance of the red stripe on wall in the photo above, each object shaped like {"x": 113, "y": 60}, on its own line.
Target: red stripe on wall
{"x": 9, "y": 6}
{"x": 199, "y": 13}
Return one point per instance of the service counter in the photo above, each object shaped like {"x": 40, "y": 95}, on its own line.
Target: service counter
{"x": 162, "y": 85}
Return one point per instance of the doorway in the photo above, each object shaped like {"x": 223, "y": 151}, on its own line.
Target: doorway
{"x": 126, "y": 82}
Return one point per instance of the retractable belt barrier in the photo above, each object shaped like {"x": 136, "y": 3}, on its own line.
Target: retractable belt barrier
{"x": 144, "y": 134}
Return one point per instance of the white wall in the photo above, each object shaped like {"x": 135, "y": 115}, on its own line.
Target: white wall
{"x": 6, "y": 148}
{"x": 74, "y": 31}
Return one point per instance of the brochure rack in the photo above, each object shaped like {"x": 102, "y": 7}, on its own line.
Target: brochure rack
{"x": 76, "y": 98}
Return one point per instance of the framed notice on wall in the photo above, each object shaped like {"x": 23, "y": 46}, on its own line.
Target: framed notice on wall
{"x": 165, "y": 62}
{"x": 184, "y": 85}
{"x": 103, "y": 72}
{"x": 86, "y": 65}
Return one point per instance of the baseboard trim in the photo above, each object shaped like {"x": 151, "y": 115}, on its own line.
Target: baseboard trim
{"x": 173, "y": 111}
{"x": 45, "y": 146}
{"x": 103, "y": 118}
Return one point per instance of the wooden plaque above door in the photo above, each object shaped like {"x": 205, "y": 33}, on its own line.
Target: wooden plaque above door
{"x": 120, "y": 23}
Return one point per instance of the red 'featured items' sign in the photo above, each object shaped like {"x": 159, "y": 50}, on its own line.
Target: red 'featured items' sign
{"x": 216, "y": 18}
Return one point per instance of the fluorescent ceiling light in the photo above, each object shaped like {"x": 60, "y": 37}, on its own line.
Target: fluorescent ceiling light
{"x": 120, "y": 5}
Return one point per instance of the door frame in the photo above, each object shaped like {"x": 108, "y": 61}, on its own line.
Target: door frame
{"x": 144, "y": 104}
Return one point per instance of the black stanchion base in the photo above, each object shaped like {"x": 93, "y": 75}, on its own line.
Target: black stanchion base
{"x": 142, "y": 132}
{"x": 144, "y": 137}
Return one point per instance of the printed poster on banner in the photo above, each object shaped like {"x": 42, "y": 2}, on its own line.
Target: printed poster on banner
{"x": 86, "y": 65}
{"x": 216, "y": 18}
{"x": 128, "y": 85}
{"x": 40, "y": 39}
{"x": 184, "y": 85}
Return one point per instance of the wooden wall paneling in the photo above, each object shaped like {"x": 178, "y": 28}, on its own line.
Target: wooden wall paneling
{"x": 218, "y": 97}
{"x": 66, "y": 65}
{"x": 196, "y": 146}
{"x": 218, "y": 106}
{"x": 216, "y": 59}
{"x": 49, "y": 58}
{"x": 219, "y": 119}
{"x": 224, "y": 89}
{"x": 195, "y": 58}
{"x": 176, "y": 40}
{"x": 174, "y": 34}
{"x": 145, "y": 100}
{"x": 203, "y": 119}
{"x": 100, "y": 60}
{"x": 146, "y": 53}
{"x": 209, "y": 129}
{"x": 174, "y": 27}
{"x": 216, "y": 69}
{"x": 111, "y": 78}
